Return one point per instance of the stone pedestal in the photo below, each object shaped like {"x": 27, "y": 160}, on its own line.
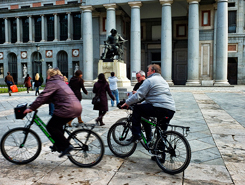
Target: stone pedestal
{"x": 119, "y": 67}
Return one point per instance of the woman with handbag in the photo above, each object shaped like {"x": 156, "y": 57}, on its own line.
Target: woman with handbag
{"x": 76, "y": 84}
{"x": 100, "y": 88}
{"x": 27, "y": 82}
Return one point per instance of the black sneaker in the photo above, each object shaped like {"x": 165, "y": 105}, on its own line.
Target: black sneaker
{"x": 66, "y": 151}
{"x": 154, "y": 159}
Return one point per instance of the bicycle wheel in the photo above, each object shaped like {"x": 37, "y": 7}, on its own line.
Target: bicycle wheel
{"x": 20, "y": 145}
{"x": 119, "y": 140}
{"x": 88, "y": 148}
{"x": 176, "y": 153}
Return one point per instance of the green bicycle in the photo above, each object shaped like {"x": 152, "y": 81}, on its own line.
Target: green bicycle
{"x": 22, "y": 145}
{"x": 170, "y": 148}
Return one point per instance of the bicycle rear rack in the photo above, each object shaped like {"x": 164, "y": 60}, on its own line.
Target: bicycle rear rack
{"x": 185, "y": 130}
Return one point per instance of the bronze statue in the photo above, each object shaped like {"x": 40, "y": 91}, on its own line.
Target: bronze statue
{"x": 113, "y": 46}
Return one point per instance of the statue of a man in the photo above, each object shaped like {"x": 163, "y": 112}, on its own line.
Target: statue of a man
{"x": 113, "y": 46}
{"x": 24, "y": 71}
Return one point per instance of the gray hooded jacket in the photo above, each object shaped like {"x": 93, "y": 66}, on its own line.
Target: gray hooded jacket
{"x": 156, "y": 91}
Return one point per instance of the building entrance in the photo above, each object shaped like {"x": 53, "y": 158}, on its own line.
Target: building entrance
{"x": 232, "y": 70}
{"x": 12, "y": 65}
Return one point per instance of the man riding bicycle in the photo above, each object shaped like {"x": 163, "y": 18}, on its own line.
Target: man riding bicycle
{"x": 158, "y": 101}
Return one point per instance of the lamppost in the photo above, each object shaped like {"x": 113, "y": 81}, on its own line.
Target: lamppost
{"x": 38, "y": 61}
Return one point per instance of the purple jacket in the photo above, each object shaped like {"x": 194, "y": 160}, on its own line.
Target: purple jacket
{"x": 60, "y": 94}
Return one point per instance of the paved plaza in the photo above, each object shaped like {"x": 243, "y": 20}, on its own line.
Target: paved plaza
{"x": 216, "y": 119}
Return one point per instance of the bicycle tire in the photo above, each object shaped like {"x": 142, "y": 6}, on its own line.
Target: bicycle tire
{"x": 87, "y": 151}
{"x": 176, "y": 160}
{"x": 13, "y": 151}
{"x": 122, "y": 120}
{"x": 116, "y": 146}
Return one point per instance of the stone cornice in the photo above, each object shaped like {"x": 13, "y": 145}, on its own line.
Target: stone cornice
{"x": 166, "y": 2}
{"x": 110, "y": 6}
{"x": 135, "y": 4}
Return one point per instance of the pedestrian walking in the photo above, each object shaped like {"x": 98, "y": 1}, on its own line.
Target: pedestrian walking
{"x": 27, "y": 82}
{"x": 37, "y": 84}
{"x": 100, "y": 88}
{"x": 67, "y": 107}
{"x": 9, "y": 81}
{"x": 76, "y": 84}
{"x": 113, "y": 87}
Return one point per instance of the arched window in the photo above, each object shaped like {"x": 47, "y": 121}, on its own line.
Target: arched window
{"x": 12, "y": 65}
{"x": 62, "y": 60}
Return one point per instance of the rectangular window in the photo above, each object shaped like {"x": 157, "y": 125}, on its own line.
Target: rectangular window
{"x": 206, "y": 18}
{"x": 72, "y": 2}
{"x": 2, "y": 31}
{"x": 77, "y": 26}
{"x": 50, "y": 28}
{"x": 37, "y": 29}
{"x": 25, "y": 23}
{"x": 13, "y": 30}
{"x": 49, "y": 4}
{"x": 232, "y": 22}
{"x": 63, "y": 27}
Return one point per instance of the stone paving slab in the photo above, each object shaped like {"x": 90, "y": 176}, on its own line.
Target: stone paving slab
{"x": 217, "y": 135}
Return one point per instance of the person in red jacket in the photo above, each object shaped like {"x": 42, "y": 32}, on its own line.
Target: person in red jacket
{"x": 67, "y": 107}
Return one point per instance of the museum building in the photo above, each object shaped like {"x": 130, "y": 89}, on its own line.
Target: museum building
{"x": 196, "y": 42}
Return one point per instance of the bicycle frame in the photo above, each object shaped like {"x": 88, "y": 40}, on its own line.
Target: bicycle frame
{"x": 36, "y": 119}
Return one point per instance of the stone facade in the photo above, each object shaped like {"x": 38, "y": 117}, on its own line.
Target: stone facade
{"x": 188, "y": 38}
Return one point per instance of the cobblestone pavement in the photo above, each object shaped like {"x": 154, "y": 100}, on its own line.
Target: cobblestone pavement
{"x": 216, "y": 120}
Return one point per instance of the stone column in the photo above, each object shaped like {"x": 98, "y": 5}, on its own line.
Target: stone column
{"x": 135, "y": 43}
{"x": 110, "y": 17}
{"x": 87, "y": 44}
{"x": 81, "y": 25}
{"x": 43, "y": 28}
{"x": 30, "y": 29}
{"x": 18, "y": 29}
{"x": 69, "y": 26}
{"x": 166, "y": 41}
{"x": 193, "y": 43}
{"x": 56, "y": 27}
{"x": 221, "y": 43}
{"x": 6, "y": 22}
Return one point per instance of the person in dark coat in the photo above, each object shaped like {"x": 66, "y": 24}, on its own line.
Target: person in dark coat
{"x": 67, "y": 107}
{"x": 76, "y": 83}
{"x": 38, "y": 82}
{"x": 100, "y": 88}
{"x": 27, "y": 82}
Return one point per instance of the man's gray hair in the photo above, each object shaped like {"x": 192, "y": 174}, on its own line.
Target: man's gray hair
{"x": 142, "y": 73}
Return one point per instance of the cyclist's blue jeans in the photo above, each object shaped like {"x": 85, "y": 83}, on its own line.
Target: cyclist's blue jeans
{"x": 116, "y": 94}
{"x": 147, "y": 110}
{"x": 51, "y": 109}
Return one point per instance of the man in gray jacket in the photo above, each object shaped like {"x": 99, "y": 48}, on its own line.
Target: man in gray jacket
{"x": 158, "y": 100}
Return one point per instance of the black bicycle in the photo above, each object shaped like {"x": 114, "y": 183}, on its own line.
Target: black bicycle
{"x": 171, "y": 149}
{"x": 22, "y": 145}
